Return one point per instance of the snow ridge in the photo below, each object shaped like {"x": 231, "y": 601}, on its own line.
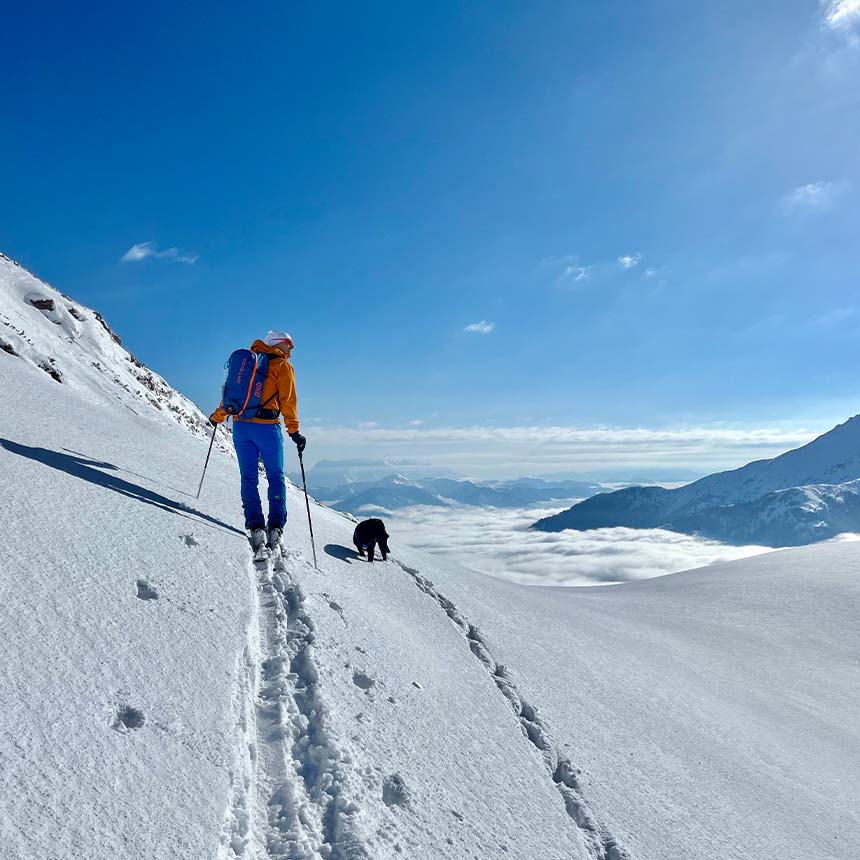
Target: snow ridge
{"x": 42, "y": 328}
{"x": 289, "y": 798}
{"x": 599, "y": 843}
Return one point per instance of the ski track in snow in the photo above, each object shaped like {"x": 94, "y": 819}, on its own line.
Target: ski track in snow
{"x": 288, "y": 797}
{"x": 600, "y": 844}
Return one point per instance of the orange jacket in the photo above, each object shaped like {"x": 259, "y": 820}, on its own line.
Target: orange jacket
{"x": 280, "y": 386}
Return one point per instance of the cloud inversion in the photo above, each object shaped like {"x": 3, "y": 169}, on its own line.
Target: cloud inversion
{"x": 500, "y": 543}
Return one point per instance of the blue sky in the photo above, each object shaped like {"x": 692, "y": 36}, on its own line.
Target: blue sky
{"x": 648, "y": 212}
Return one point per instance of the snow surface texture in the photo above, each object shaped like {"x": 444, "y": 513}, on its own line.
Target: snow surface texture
{"x": 806, "y": 495}
{"x": 163, "y": 697}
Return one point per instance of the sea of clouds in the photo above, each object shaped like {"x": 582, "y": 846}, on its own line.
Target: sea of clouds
{"x": 499, "y": 542}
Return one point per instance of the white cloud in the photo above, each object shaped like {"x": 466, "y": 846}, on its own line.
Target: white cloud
{"x": 141, "y": 251}
{"x": 628, "y": 261}
{"x": 482, "y": 327}
{"x": 577, "y": 273}
{"x": 649, "y": 273}
{"x": 496, "y": 452}
{"x": 814, "y": 196}
{"x": 842, "y": 14}
{"x": 567, "y": 268}
{"x": 499, "y": 542}
{"x": 137, "y": 252}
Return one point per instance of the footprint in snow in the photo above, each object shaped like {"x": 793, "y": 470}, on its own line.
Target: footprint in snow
{"x": 363, "y": 680}
{"x": 335, "y": 607}
{"x": 145, "y": 591}
{"x": 189, "y": 540}
{"x": 127, "y": 718}
{"x": 395, "y": 791}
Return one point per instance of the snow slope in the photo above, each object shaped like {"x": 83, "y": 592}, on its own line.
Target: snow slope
{"x": 162, "y": 697}
{"x": 705, "y": 506}
{"x": 713, "y": 713}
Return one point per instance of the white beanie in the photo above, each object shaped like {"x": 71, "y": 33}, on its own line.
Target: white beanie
{"x": 274, "y": 337}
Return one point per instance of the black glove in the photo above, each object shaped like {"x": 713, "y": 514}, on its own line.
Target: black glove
{"x": 299, "y": 440}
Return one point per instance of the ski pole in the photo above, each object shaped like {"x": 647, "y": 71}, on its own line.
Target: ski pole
{"x": 206, "y": 464}
{"x": 308, "y": 506}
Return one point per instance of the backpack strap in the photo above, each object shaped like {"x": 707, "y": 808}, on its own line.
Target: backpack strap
{"x": 274, "y": 413}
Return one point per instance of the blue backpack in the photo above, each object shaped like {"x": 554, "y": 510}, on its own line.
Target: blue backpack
{"x": 243, "y": 382}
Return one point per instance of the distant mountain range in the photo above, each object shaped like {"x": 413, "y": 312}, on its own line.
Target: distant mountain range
{"x": 337, "y": 473}
{"x": 805, "y": 495}
{"x": 395, "y": 491}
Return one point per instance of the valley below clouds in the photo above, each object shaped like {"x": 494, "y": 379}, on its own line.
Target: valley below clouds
{"x": 499, "y": 542}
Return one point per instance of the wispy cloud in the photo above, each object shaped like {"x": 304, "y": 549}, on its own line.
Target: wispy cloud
{"x": 569, "y": 270}
{"x": 141, "y": 251}
{"x": 812, "y": 197}
{"x": 482, "y": 327}
{"x": 488, "y": 451}
{"x": 577, "y": 273}
{"x": 629, "y": 261}
{"x": 842, "y": 14}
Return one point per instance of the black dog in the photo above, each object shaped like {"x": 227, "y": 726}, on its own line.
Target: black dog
{"x": 367, "y": 535}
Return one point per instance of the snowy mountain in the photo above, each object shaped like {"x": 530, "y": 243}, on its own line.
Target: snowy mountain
{"x": 793, "y": 517}
{"x": 43, "y": 328}
{"x": 163, "y": 697}
{"x": 746, "y": 505}
{"x": 394, "y": 492}
{"x": 327, "y": 474}
{"x": 390, "y": 495}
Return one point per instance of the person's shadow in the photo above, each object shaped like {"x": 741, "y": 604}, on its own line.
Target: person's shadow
{"x": 341, "y": 552}
{"x": 89, "y": 470}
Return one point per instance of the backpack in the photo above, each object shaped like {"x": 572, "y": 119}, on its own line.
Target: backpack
{"x": 245, "y": 374}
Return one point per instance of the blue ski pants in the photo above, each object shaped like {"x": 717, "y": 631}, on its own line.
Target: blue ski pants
{"x": 254, "y": 442}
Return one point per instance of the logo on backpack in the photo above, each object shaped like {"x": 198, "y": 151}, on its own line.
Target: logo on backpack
{"x": 245, "y": 374}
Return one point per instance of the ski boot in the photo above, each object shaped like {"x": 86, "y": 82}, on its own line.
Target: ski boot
{"x": 274, "y": 541}
{"x": 257, "y": 539}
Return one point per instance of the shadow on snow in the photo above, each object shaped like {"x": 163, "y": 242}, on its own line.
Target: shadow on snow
{"x": 89, "y": 470}
{"x": 341, "y": 552}
{"x": 87, "y": 457}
